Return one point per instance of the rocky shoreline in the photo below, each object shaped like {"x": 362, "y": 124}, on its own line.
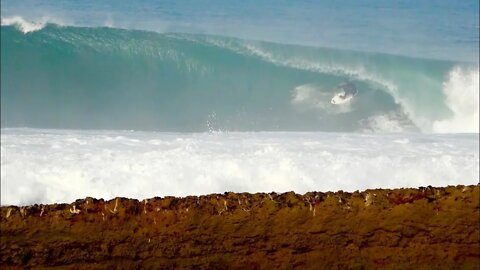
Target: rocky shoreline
{"x": 428, "y": 228}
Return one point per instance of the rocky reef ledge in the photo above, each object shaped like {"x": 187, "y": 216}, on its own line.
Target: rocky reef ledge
{"x": 428, "y": 228}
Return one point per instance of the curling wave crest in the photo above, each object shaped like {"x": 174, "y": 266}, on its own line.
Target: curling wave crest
{"x": 26, "y": 26}
{"x": 110, "y": 78}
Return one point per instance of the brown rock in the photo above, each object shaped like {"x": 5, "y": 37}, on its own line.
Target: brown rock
{"x": 428, "y": 228}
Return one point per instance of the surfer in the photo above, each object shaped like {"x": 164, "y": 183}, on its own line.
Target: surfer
{"x": 347, "y": 91}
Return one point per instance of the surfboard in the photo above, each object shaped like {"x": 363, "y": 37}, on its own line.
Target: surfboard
{"x": 348, "y": 92}
{"x": 340, "y": 98}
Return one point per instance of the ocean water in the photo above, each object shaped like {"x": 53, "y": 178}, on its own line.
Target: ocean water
{"x": 50, "y": 166}
{"x": 148, "y": 98}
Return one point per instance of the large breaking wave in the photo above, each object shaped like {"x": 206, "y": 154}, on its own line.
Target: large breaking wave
{"x": 104, "y": 78}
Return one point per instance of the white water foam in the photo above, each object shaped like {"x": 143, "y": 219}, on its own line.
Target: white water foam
{"x": 462, "y": 97}
{"x": 392, "y": 122}
{"x": 47, "y": 166}
{"x": 24, "y": 25}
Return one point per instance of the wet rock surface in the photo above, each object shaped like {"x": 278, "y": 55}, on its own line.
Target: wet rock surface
{"x": 428, "y": 228}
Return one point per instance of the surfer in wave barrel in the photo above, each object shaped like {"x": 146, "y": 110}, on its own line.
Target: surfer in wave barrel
{"x": 347, "y": 92}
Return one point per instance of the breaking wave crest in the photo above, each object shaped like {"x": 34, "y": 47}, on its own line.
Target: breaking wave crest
{"x": 462, "y": 97}
{"x": 107, "y": 78}
{"x": 26, "y": 26}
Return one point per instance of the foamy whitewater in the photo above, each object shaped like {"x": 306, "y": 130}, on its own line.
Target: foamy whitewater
{"x": 47, "y": 166}
{"x": 235, "y": 97}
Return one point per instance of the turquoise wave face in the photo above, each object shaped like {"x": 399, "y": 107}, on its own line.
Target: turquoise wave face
{"x": 105, "y": 78}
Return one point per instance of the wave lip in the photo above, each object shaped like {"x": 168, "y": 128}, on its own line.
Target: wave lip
{"x": 24, "y": 25}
